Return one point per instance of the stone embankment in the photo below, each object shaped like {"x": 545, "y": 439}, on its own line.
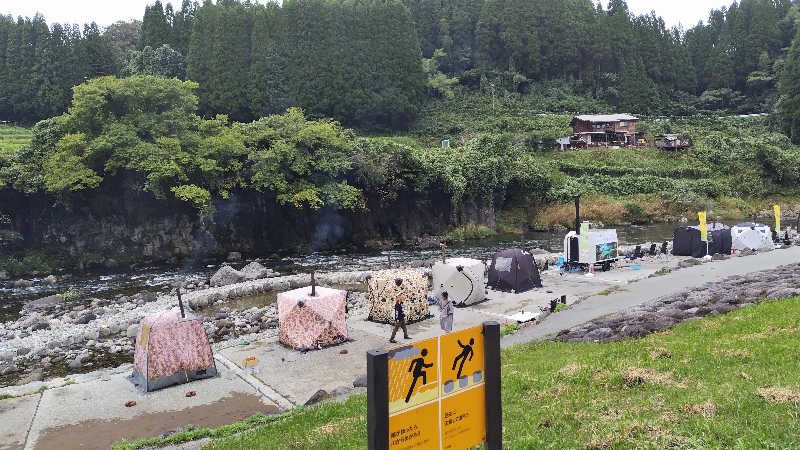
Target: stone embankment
{"x": 710, "y": 299}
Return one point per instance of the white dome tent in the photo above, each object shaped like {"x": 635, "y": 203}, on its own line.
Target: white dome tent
{"x": 751, "y": 236}
{"x": 462, "y": 278}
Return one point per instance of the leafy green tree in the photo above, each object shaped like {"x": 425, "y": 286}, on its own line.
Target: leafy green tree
{"x": 303, "y": 163}
{"x": 789, "y": 105}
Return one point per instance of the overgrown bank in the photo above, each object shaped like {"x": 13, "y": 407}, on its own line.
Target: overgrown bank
{"x": 727, "y": 381}
{"x": 123, "y": 180}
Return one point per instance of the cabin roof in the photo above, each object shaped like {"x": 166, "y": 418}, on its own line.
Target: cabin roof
{"x": 595, "y": 118}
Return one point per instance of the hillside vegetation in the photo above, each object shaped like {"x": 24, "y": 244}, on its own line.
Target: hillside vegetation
{"x": 724, "y": 382}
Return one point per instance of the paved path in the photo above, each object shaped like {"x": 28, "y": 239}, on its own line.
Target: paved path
{"x": 650, "y": 288}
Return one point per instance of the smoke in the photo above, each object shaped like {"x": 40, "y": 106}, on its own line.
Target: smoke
{"x": 329, "y": 229}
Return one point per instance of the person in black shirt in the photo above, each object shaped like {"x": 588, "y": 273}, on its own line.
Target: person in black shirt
{"x": 399, "y": 319}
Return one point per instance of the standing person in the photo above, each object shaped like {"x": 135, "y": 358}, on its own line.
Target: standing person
{"x": 399, "y": 320}
{"x": 446, "y": 310}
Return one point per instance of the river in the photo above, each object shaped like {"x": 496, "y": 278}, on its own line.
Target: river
{"x": 160, "y": 278}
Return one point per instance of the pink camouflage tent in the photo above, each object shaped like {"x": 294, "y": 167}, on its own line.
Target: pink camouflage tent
{"x": 312, "y": 321}
{"x": 171, "y": 350}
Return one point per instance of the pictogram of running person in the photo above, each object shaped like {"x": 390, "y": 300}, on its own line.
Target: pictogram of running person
{"x": 466, "y": 351}
{"x": 418, "y": 366}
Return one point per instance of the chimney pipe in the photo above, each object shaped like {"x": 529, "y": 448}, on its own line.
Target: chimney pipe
{"x": 313, "y": 285}
{"x": 577, "y": 214}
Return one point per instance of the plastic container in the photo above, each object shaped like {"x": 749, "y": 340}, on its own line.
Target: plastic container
{"x": 636, "y": 267}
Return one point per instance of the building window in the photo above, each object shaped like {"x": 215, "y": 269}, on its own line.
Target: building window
{"x": 623, "y": 124}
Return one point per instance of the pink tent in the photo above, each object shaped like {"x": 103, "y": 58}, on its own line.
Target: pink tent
{"x": 171, "y": 350}
{"x": 312, "y": 322}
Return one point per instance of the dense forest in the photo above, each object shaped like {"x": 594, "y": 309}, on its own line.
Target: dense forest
{"x": 292, "y": 127}
{"x": 372, "y": 64}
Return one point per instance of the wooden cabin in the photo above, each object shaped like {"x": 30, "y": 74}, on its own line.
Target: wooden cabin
{"x": 605, "y": 130}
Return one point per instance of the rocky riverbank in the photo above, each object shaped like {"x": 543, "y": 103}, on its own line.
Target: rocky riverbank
{"x": 54, "y": 337}
{"x": 709, "y": 299}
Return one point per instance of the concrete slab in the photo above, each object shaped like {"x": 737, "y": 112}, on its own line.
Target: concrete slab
{"x": 16, "y": 415}
{"x": 93, "y": 414}
{"x": 297, "y": 376}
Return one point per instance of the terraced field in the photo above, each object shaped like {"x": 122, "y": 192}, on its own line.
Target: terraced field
{"x": 12, "y": 138}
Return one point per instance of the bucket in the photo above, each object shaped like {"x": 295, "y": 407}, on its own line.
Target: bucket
{"x": 636, "y": 267}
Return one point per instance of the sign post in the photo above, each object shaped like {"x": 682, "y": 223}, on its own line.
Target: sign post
{"x": 777, "y": 209}
{"x": 438, "y": 393}
{"x": 703, "y": 229}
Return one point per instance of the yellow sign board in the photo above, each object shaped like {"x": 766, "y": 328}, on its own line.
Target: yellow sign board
{"x": 464, "y": 419}
{"x": 703, "y": 226}
{"x": 777, "y": 209}
{"x": 437, "y": 394}
{"x": 413, "y": 374}
{"x": 462, "y": 360}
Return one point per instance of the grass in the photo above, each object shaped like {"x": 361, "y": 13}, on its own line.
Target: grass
{"x": 724, "y": 382}
{"x": 509, "y": 329}
{"x": 609, "y": 290}
{"x": 12, "y": 138}
{"x": 5, "y": 395}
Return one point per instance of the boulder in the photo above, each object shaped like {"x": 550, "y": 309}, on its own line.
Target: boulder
{"x": 132, "y": 331}
{"x": 76, "y": 363}
{"x": 22, "y": 284}
{"x": 42, "y": 325}
{"x": 227, "y": 275}
{"x": 22, "y": 351}
{"x": 254, "y": 271}
{"x": 360, "y": 381}
{"x": 49, "y": 280}
{"x": 147, "y": 296}
{"x": 340, "y": 391}
{"x": 633, "y": 331}
{"x": 234, "y": 256}
{"x": 3, "y": 275}
{"x": 85, "y": 318}
{"x": 318, "y": 396}
{"x": 599, "y": 334}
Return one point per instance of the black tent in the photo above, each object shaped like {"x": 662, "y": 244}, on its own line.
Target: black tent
{"x": 514, "y": 271}
{"x": 686, "y": 241}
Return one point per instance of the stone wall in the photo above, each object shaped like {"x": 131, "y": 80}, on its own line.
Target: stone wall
{"x": 709, "y": 299}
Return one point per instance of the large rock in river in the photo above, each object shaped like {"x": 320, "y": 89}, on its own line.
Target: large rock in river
{"x": 227, "y": 275}
{"x": 254, "y": 271}
{"x": 44, "y": 303}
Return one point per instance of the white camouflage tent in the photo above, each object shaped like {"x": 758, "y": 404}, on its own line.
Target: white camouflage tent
{"x": 751, "y": 236}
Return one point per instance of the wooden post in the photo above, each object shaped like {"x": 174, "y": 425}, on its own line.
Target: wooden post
{"x": 389, "y": 257}
{"x": 377, "y": 400}
{"x": 313, "y": 285}
{"x": 444, "y": 252}
{"x": 494, "y": 406}
{"x": 180, "y": 303}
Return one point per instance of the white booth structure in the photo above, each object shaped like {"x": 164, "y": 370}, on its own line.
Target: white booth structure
{"x": 462, "y": 278}
{"x": 751, "y": 236}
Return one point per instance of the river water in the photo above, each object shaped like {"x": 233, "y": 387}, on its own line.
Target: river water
{"x": 160, "y": 278}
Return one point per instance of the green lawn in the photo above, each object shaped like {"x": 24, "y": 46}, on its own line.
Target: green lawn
{"x": 12, "y": 137}
{"x": 725, "y": 382}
